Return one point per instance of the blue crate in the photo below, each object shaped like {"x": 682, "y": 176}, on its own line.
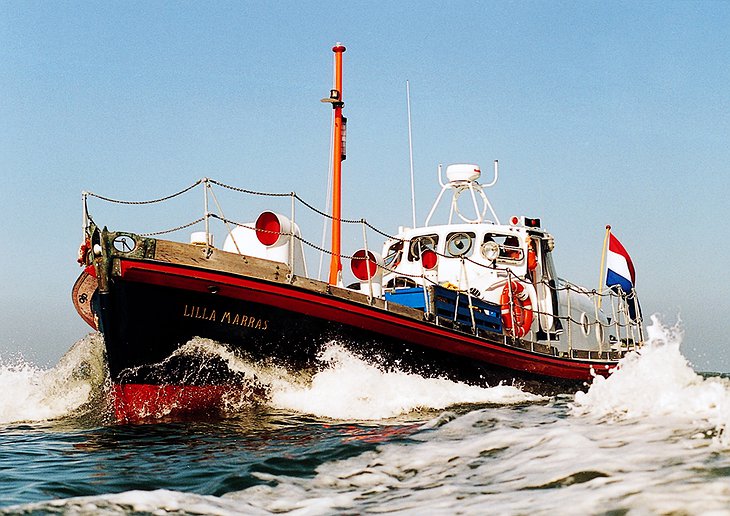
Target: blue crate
{"x": 442, "y": 303}
{"x": 412, "y": 297}
{"x": 487, "y": 316}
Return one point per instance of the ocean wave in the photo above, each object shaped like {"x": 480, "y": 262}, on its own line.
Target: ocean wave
{"x": 75, "y": 386}
{"x": 657, "y": 382}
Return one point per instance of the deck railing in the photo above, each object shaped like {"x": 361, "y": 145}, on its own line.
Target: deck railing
{"x": 625, "y": 327}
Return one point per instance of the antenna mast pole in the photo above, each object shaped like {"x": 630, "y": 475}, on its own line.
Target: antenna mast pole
{"x": 338, "y": 156}
{"x": 410, "y": 152}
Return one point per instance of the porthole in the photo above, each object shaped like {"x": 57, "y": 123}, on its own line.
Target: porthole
{"x": 599, "y": 333}
{"x": 124, "y": 244}
{"x": 585, "y": 324}
{"x": 459, "y": 244}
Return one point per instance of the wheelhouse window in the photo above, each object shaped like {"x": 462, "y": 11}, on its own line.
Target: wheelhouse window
{"x": 421, "y": 243}
{"x": 502, "y": 248}
{"x": 459, "y": 244}
{"x": 394, "y": 255}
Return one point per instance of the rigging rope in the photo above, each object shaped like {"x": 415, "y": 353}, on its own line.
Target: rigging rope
{"x": 251, "y": 192}
{"x": 178, "y": 228}
{"x": 152, "y": 201}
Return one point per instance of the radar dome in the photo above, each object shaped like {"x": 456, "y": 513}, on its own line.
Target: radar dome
{"x": 463, "y": 172}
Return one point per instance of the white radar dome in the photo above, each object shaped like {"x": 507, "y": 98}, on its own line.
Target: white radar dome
{"x": 461, "y": 172}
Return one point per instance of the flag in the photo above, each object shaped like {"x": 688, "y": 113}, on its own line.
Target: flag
{"x": 620, "y": 274}
{"x": 620, "y": 268}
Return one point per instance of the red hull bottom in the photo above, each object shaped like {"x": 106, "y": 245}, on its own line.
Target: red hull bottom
{"x": 139, "y": 402}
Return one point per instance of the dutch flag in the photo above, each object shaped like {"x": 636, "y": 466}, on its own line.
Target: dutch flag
{"x": 620, "y": 268}
{"x": 621, "y": 275}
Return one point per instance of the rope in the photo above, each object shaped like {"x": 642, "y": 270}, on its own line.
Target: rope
{"x": 251, "y": 192}
{"x": 153, "y": 201}
{"x": 326, "y": 215}
{"x": 166, "y": 231}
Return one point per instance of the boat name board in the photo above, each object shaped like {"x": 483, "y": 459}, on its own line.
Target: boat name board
{"x": 226, "y": 317}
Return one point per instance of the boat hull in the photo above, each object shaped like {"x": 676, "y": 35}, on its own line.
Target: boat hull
{"x": 152, "y": 308}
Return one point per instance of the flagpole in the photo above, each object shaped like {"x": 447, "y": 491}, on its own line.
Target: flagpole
{"x": 602, "y": 276}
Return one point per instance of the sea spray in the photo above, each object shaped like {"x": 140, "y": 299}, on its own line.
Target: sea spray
{"x": 620, "y": 448}
{"x": 73, "y": 387}
{"x": 635, "y": 442}
{"x": 351, "y": 388}
{"x": 345, "y": 387}
{"x": 657, "y": 381}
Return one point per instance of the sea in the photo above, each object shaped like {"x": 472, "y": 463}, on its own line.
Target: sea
{"x": 652, "y": 438}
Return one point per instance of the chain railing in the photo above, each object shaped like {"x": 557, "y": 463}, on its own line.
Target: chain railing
{"x": 627, "y": 330}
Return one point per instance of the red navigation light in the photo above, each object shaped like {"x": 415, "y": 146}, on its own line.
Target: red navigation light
{"x": 429, "y": 259}
{"x": 363, "y": 265}
{"x": 514, "y": 220}
{"x": 268, "y": 228}
{"x": 532, "y": 223}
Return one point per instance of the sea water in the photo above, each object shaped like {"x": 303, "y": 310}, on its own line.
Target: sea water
{"x": 653, "y": 438}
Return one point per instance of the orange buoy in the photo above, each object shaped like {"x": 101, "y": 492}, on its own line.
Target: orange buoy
{"x": 516, "y": 309}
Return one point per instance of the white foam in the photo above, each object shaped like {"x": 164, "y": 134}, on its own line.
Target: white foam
{"x": 29, "y": 393}
{"x": 658, "y": 381}
{"x": 350, "y": 388}
{"x": 347, "y": 388}
{"x": 514, "y": 462}
{"x": 633, "y": 443}
{"x": 160, "y": 501}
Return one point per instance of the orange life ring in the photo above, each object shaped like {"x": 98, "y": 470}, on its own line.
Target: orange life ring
{"x": 517, "y": 311}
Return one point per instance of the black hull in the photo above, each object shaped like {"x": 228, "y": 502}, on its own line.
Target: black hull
{"x": 165, "y": 318}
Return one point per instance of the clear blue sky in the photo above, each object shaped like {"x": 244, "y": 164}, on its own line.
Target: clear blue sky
{"x": 599, "y": 112}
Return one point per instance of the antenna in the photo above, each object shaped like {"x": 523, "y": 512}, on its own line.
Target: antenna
{"x": 410, "y": 152}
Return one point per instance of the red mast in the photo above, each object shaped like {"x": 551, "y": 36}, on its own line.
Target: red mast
{"x": 338, "y": 155}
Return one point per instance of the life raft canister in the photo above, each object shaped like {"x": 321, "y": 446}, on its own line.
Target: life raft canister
{"x": 517, "y": 311}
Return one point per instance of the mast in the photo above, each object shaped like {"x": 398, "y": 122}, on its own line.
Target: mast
{"x": 338, "y": 156}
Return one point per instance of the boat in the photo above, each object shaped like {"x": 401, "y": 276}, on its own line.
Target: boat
{"x": 470, "y": 298}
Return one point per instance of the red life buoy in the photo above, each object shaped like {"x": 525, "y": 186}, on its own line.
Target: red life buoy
{"x": 84, "y": 252}
{"x": 516, "y": 309}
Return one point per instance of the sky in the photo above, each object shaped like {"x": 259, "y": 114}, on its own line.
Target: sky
{"x": 598, "y": 112}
